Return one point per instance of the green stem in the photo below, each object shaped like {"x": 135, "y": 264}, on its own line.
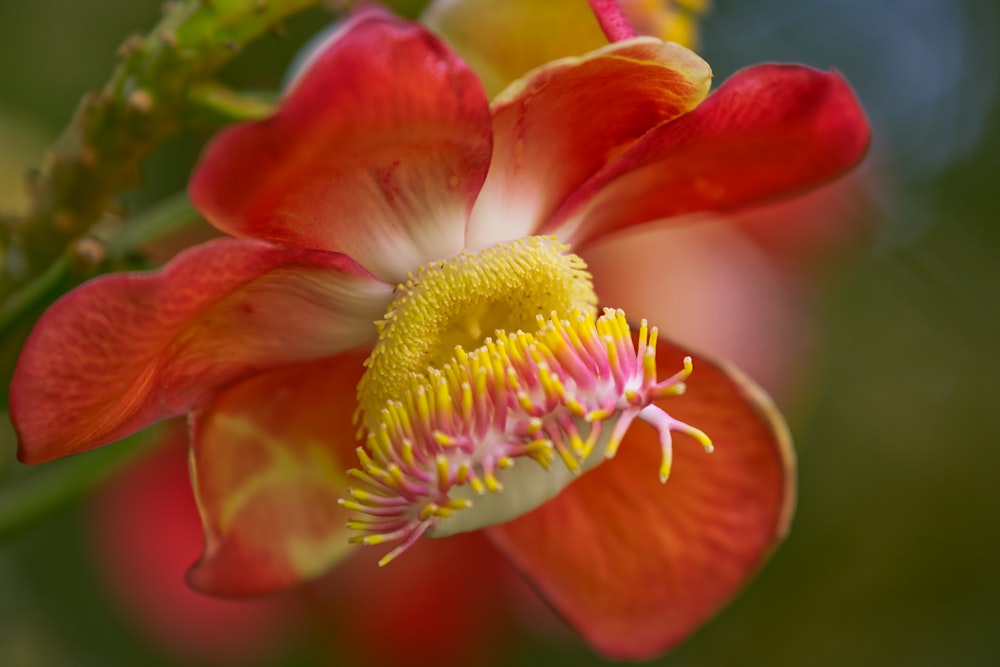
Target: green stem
{"x": 147, "y": 100}
{"x": 42, "y": 289}
{"x": 164, "y": 219}
{"x": 219, "y": 104}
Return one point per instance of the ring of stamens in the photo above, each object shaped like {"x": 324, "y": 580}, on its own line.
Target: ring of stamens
{"x": 462, "y": 300}
{"x": 568, "y": 391}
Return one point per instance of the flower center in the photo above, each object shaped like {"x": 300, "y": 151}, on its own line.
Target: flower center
{"x": 440, "y": 436}
{"x": 459, "y": 302}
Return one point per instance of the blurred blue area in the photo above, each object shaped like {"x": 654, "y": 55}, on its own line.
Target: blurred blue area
{"x": 893, "y": 557}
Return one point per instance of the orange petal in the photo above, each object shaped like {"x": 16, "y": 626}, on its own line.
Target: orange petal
{"x": 769, "y": 131}
{"x": 125, "y": 350}
{"x": 268, "y": 461}
{"x": 559, "y": 125}
{"x": 635, "y": 565}
{"x": 377, "y": 151}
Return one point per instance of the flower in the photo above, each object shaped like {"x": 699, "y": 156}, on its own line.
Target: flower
{"x": 386, "y": 167}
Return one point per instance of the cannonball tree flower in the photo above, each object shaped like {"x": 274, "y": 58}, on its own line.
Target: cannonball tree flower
{"x": 405, "y": 265}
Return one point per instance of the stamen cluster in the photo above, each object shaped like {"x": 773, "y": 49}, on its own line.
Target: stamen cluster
{"x": 462, "y": 300}
{"x": 572, "y": 387}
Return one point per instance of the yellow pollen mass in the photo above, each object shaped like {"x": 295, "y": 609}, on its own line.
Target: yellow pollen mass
{"x": 459, "y": 302}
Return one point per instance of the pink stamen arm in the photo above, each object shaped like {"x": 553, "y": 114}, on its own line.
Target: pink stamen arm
{"x": 611, "y": 16}
{"x": 516, "y": 396}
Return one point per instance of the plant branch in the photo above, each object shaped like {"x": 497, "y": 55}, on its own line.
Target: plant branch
{"x": 97, "y": 254}
{"x": 147, "y": 100}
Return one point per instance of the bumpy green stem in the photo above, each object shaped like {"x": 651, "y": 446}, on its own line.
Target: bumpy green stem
{"x": 148, "y": 99}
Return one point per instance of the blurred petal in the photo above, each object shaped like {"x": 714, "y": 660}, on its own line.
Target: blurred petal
{"x": 268, "y": 464}
{"x": 768, "y": 131}
{"x": 126, "y": 350}
{"x": 146, "y": 534}
{"x": 635, "y": 565}
{"x": 708, "y": 285}
{"x": 378, "y": 151}
{"x": 803, "y": 234}
{"x": 504, "y": 40}
{"x": 444, "y": 601}
{"x": 558, "y": 126}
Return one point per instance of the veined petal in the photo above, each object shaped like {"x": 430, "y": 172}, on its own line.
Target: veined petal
{"x": 268, "y": 461}
{"x": 635, "y": 565}
{"x": 558, "y": 126}
{"x": 768, "y": 131}
{"x": 377, "y": 151}
{"x": 125, "y": 350}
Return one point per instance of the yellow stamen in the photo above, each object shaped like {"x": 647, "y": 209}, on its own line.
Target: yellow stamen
{"x": 460, "y": 301}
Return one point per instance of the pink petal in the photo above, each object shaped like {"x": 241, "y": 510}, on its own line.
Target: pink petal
{"x": 125, "y": 350}
{"x": 558, "y": 126}
{"x": 378, "y": 152}
{"x": 635, "y": 565}
{"x": 710, "y": 287}
{"x": 769, "y": 131}
{"x": 268, "y": 461}
{"x": 806, "y": 233}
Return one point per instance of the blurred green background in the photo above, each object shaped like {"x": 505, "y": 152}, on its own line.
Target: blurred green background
{"x": 894, "y": 557}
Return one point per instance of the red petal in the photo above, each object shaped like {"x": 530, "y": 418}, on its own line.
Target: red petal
{"x": 126, "y": 350}
{"x": 769, "y": 131}
{"x": 146, "y": 534}
{"x": 634, "y": 565}
{"x": 378, "y": 152}
{"x": 557, "y": 127}
{"x": 268, "y": 462}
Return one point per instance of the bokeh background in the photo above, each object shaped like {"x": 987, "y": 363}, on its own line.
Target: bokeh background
{"x": 894, "y": 557}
